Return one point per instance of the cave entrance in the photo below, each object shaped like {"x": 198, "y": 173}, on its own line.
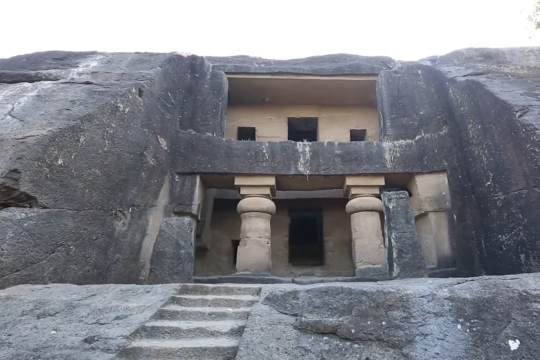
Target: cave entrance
{"x": 306, "y": 243}
{"x": 310, "y": 233}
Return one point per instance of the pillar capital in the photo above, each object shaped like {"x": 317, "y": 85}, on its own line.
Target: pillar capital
{"x": 363, "y": 185}
{"x": 256, "y": 204}
{"x": 364, "y": 203}
{"x": 255, "y": 185}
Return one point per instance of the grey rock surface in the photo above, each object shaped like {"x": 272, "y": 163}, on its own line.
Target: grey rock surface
{"x": 416, "y": 113}
{"x": 494, "y": 317}
{"x": 335, "y": 64}
{"x": 407, "y": 259}
{"x": 470, "y": 318}
{"x": 173, "y": 256}
{"x": 86, "y": 141}
{"x": 49, "y": 245}
{"x": 495, "y": 98}
{"x": 70, "y": 322}
{"x": 222, "y": 156}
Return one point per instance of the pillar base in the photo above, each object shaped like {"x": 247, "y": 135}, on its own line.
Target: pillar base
{"x": 372, "y": 272}
{"x": 254, "y": 256}
{"x": 252, "y": 274}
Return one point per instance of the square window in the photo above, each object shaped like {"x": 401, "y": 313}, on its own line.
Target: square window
{"x": 246, "y": 133}
{"x": 358, "y": 134}
{"x": 302, "y": 128}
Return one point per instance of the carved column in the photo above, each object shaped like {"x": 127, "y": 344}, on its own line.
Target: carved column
{"x": 365, "y": 208}
{"x": 256, "y": 210}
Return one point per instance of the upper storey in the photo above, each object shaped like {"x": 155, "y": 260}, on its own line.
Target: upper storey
{"x": 281, "y": 107}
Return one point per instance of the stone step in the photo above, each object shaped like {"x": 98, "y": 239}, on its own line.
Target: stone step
{"x": 201, "y": 289}
{"x": 212, "y": 348}
{"x": 189, "y": 313}
{"x": 233, "y": 301}
{"x": 242, "y": 279}
{"x": 178, "y": 329}
{"x": 201, "y": 322}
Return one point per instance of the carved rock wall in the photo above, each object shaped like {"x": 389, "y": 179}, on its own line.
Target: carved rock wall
{"x": 91, "y": 142}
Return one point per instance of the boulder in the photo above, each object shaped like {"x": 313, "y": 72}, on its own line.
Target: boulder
{"x": 469, "y": 318}
{"x": 67, "y": 322}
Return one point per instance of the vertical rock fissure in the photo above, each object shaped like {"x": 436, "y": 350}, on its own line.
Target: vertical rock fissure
{"x": 155, "y": 217}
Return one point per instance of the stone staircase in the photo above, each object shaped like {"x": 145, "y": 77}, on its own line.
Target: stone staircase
{"x": 200, "y": 322}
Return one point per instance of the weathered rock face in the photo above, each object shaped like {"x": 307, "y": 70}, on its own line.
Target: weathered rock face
{"x": 64, "y": 322}
{"x": 416, "y": 114}
{"x": 479, "y": 113}
{"x": 406, "y": 261}
{"x": 85, "y": 172}
{"x": 495, "y": 98}
{"x": 482, "y": 318}
{"x": 172, "y": 256}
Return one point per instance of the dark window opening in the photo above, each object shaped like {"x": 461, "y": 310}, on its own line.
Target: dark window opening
{"x": 358, "y": 134}
{"x": 246, "y": 133}
{"x": 302, "y": 129}
{"x": 235, "y": 244}
{"x": 306, "y": 243}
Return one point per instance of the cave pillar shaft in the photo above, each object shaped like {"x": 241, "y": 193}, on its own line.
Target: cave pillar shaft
{"x": 256, "y": 210}
{"x": 365, "y": 209}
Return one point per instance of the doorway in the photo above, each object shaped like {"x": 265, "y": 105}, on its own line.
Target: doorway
{"x": 306, "y": 242}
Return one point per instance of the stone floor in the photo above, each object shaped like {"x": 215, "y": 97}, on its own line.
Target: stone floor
{"x": 490, "y": 317}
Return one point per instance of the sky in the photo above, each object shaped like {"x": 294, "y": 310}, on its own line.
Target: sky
{"x": 280, "y": 29}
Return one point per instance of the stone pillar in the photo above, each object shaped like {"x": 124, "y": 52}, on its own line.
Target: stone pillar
{"x": 430, "y": 202}
{"x": 365, "y": 208}
{"x": 256, "y": 210}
